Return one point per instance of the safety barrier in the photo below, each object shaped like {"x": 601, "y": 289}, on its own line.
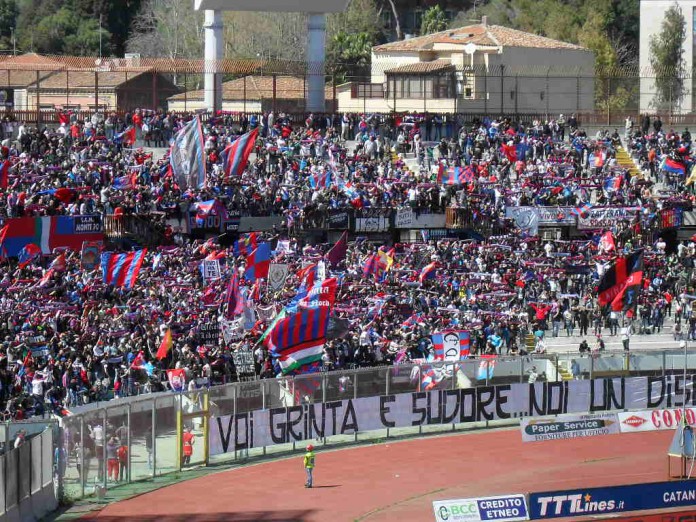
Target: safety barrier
{"x": 153, "y": 429}
{"x": 27, "y": 488}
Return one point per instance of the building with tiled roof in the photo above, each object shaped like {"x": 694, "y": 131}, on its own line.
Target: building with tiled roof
{"x": 255, "y": 93}
{"x": 479, "y": 68}
{"x": 31, "y": 81}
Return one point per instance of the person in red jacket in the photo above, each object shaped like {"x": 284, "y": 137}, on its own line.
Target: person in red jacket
{"x": 189, "y": 439}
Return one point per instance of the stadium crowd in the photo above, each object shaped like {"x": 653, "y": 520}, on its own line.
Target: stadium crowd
{"x": 68, "y": 338}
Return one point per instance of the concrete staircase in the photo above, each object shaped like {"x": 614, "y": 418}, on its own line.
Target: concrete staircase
{"x": 563, "y": 371}
{"x": 625, "y": 161}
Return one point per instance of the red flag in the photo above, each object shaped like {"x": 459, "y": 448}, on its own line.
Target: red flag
{"x": 129, "y": 136}
{"x": 338, "y": 251}
{"x": 165, "y": 345}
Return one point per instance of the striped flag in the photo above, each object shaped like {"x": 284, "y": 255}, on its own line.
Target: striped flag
{"x": 236, "y": 155}
{"x": 486, "y": 367}
{"x": 298, "y": 339}
{"x": 186, "y": 156}
{"x": 121, "y": 270}
{"x": 233, "y": 299}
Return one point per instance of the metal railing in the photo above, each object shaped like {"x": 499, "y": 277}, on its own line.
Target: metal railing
{"x": 150, "y": 426}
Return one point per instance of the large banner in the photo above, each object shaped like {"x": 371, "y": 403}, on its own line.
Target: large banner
{"x": 595, "y": 502}
{"x": 483, "y": 403}
{"x": 50, "y": 232}
{"x": 546, "y": 216}
{"x": 605, "y": 217}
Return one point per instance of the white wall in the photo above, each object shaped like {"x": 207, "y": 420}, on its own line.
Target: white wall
{"x": 651, "y": 17}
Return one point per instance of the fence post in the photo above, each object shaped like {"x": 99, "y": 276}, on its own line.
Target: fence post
{"x": 664, "y": 363}
{"x": 153, "y": 435}
{"x": 104, "y": 460}
{"x": 502, "y": 90}
{"x": 275, "y": 84}
{"x": 129, "y": 443}
{"x": 38, "y": 99}
{"x": 82, "y": 457}
{"x": 96, "y": 90}
{"x": 485, "y": 88}
{"x": 67, "y": 87}
{"x": 608, "y": 98}
{"x": 186, "y": 90}
{"x": 244, "y": 93}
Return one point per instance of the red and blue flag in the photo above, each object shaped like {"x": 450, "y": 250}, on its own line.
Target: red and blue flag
{"x": 582, "y": 210}
{"x": 671, "y": 165}
{"x": 320, "y": 180}
{"x": 612, "y": 184}
{"x": 429, "y": 271}
{"x": 297, "y": 340}
{"x": 245, "y": 245}
{"x": 233, "y": 299}
{"x": 28, "y": 254}
{"x": 236, "y": 155}
{"x": 4, "y": 174}
{"x": 121, "y": 270}
{"x": 258, "y": 262}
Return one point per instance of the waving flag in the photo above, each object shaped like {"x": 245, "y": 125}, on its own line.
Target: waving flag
{"x": 308, "y": 275}
{"x": 28, "y": 254}
{"x": 582, "y": 210}
{"x": 671, "y": 165}
{"x": 621, "y": 283}
{"x": 121, "y": 270}
{"x": 320, "y": 180}
{"x": 486, "y": 367}
{"x": 385, "y": 260}
{"x": 258, "y": 262}
{"x": 298, "y": 339}
{"x": 429, "y": 271}
{"x": 597, "y": 159}
{"x": 245, "y": 245}
{"x": 127, "y": 136}
{"x": 177, "y": 379}
{"x": 413, "y": 321}
{"x": 165, "y": 345}
{"x": 122, "y": 183}
{"x": 233, "y": 299}
{"x": 4, "y": 174}
{"x": 429, "y": 376}
{"x": 612, "y": 184}
{"x": 338, "y": 251}
{"x": 59, "y": 264}
{"x": 186, "y": 156}
{"x": 321, "y": 293}
{"x": 455, "y": 175}
{"x": 236, "y": 155}
{"x": 510, "y": 152}
{"x": 451, "y": 345}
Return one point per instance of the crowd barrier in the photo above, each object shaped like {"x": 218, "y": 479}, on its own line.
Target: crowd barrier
{"x": 273, "y": 416}
{"x": 27, "y": 487}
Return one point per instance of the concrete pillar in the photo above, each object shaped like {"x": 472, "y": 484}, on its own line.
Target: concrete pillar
{"x": 316, "y": 54}
{"x": 213, "y": 54}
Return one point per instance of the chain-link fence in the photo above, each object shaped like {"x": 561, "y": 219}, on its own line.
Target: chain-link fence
{"x": 36, "y": 88}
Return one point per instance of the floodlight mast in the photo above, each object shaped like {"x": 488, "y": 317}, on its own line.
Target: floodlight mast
{"x": 316, "y": 42}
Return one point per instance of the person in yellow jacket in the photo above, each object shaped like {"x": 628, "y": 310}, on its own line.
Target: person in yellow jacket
{"x": 309, "y": 465}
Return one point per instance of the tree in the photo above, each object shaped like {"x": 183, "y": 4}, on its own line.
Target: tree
{"x": 348, "y": 54}
{"x": 434, "y": 21}
{"x": 167, "y": 28}
{"x": 667, "y": 61}
{"x": 8, "y": 21}
{"x": 397, "y": 23}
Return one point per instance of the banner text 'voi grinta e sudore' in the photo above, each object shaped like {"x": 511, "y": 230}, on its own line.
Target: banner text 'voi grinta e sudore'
{"x": 510, "y": 401}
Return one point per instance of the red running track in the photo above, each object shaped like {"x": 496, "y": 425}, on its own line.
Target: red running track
{"x": 397, "y": 481}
